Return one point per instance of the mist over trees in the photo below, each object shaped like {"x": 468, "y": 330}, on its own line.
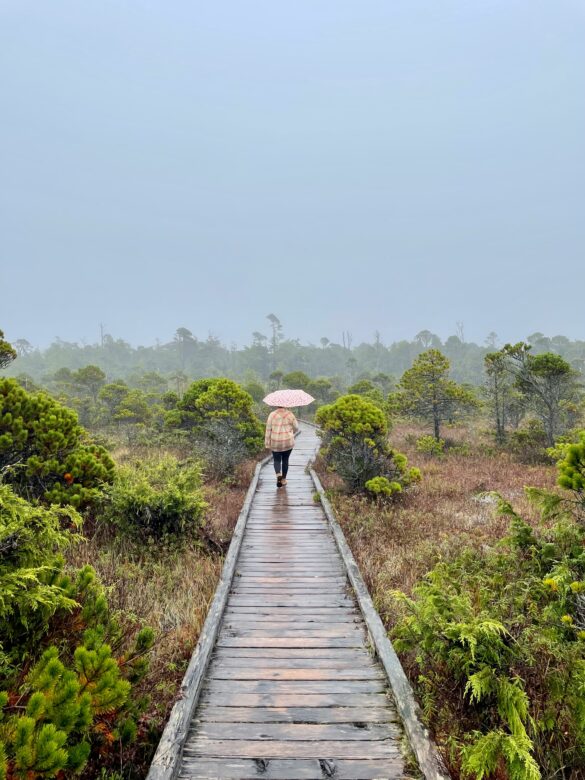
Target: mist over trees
{"x": 187, "y": 356}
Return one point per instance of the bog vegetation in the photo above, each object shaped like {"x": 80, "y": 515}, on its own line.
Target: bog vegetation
{"x": 122, "y": 472}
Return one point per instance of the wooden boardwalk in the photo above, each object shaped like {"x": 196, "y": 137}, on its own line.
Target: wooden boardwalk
{"x": 283, "y": 684}
{"x": 292, "y": 690}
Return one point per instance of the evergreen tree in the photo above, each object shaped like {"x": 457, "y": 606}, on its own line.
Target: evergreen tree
{"x": 7, "y": 352}
{"x": 42, "y": 449}
{"x": 548, "y": 382}
{"x": 426, "y": 391}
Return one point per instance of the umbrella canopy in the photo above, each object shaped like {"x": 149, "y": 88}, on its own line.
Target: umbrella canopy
{"x": 288, "y": 398}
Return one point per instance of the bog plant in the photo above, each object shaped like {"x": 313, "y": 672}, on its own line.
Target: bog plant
{"x": 496, "y": 639}
{"x": 355, "y": 446}
{"x": 219, "y": 399}
{"x": 67, "y": 672}
{"x": 428, "y": 445}
{"x": 43, "y": 453}
{"x": 157, "y": 497}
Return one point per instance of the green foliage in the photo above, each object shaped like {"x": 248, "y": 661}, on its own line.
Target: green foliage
{"x": 42, "y": 449}
{"x": 367, "y": 389}
{"x": 256, "y": 390}
{"x": 297, "y": 380}
{"x": 352, "y": 415}
{"x": 90, "y": 378}
{"x": 529, "y": 442}
{"x": 64, "y": 691}
{"x": 428, "y": 445}
{"x": 354, "y": 434}
{"x": 549, "y": 384}
{"x": 32, "y": 586}
{"x": 156, "y": 497}
{"x": 499, "y": 391}
{"x": 7, "y": 351}
{"x": 209, "y": 399}
{"x": 426, "y": 391}
{"x": 67, "y": 706}
{"x": 572, "y": 467}
{"x": 382, "y": 488}
{"x": 495, "y": 637}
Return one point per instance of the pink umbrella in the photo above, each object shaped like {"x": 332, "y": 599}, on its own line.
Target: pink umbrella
{"x": 288, "y": 398}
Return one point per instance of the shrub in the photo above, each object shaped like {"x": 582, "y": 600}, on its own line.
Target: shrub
{"x": 32, "y": 586}
{"x": 382, "y": 488}
{"x": 212, "y": 399}
{"x": 62, "y": 689}
{"x": 428, "y": 445}
{"x": 529, "y": 442}
{"x": 495, "y": 638}
{"x": 42, "y": 450}
{"x": 354, "y": 443}
{"x": 157, "y": 497}
{"x": 367, "y": 389}
{"x": 222, "y": 446}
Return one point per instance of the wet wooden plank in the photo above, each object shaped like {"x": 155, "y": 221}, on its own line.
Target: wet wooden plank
{"x": 308, "y": 662}
{"x": 226, "y": 641}
{"x": 332, "y": 701}
{"x": 223, "y": 672}
{"x": 353, "y": 654}
{"x": 340, "y": 628}
{"x": 296, "y": 687}
{"x": 390, "y": 768}
{"x": 294, "y": 732}
{"x": 323, "y": 715}
{"x": 234, "y": 748}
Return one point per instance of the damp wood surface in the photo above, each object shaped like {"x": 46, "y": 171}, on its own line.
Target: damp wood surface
{"x": 292, "y": 689}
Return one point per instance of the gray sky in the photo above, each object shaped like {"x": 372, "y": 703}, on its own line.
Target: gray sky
{"x": 391, "y": 165}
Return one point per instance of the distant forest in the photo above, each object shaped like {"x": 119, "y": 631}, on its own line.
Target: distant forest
{"x": 188, "y": 356}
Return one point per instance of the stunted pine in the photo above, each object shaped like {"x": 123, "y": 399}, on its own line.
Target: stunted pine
{"x": 426, "y": 391}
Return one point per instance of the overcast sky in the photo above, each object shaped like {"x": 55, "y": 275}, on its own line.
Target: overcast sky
{"x": 386, "y": 165}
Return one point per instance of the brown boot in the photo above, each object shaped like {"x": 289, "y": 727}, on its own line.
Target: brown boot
{"x": 279, "y": 480}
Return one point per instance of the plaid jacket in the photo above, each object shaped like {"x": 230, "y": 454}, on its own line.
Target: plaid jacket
{"x": 280, "y": 430}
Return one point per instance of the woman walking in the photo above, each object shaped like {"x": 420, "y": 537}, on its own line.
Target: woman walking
{"x": 280, "y": 438}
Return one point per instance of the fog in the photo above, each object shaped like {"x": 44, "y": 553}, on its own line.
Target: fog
{"x": 353, "y": 166}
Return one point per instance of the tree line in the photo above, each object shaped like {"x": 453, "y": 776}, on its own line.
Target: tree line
{"x": 186, "y": 356}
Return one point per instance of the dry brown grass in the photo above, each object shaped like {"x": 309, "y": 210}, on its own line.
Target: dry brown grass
{"x": 396, "y": 545}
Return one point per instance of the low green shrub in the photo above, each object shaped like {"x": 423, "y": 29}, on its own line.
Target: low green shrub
{"x": 529, "y": 443}
{"x": 496, "y": 640}
{"x": 157, "y": 497}
{"x": 428, "y": 445}
{"x": 354, "y": 432}
{"x": 218, "y": 399}
{"x": 382, "y": 488}
{"x": 68, "y": 668}
{"x": 43, "y": 453}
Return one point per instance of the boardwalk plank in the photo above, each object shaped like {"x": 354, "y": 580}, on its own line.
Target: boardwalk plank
{"x": 210, "y": 713}
{"x": 235, "y": 748}
{"x": 390, "y": 768}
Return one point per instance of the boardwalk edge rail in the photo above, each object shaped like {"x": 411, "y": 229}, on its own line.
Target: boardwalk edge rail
{"x": 429, "y": 761}
{"x": 166, "y": 761}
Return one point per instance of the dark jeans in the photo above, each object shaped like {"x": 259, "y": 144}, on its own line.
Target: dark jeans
{"x": 281, "y": 461}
